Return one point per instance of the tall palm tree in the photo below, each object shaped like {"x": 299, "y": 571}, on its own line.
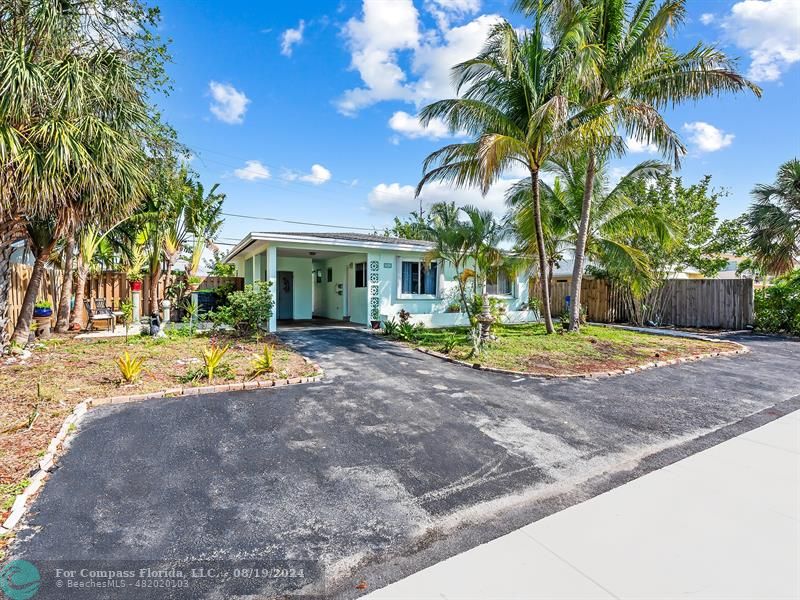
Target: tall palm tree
{"x": 637, "y": 74}
{"x": 74, "y": 117}
{"x": 774, "y": 221}
{"x": 519, "y": 102}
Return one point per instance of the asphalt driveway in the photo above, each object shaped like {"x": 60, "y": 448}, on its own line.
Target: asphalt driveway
{"x": 395, "y": 461}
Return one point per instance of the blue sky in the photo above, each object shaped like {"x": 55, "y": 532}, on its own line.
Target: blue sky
{"x": 305, "y": 111}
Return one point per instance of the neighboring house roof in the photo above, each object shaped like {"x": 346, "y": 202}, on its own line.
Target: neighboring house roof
{"x": 350, "y": 239}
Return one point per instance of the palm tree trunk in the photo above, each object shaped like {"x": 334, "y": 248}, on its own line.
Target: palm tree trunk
{"x": 62, "y": 323}
{"x": 80, "y": 289}
{"x": 155, "y": 277}
{"x": 537, "y": 217}
{"x": 22, "y": 329}
{"x": 486, "y": 315}
{"x": 9, "y": 227}
{"x": 580, "y": 247}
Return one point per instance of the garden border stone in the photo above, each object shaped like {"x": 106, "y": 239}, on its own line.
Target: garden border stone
{"x": 741, "y": 349}
{"x": 48, "y": 462}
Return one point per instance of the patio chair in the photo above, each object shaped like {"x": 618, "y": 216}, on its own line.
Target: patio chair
{"x": 101, "y": 313}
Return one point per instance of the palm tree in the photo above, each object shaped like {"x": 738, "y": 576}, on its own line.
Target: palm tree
{"x": 638, "y": 73}
{"x": 74, "y": 118}
{"x": 774, "y": 221}
{"x": 67, "y": 277}
{"x": 203, "y": 214}
{"x": 519, "y": 102}
{"x": 485, "y": 236}
{"x": 42, "y": 238}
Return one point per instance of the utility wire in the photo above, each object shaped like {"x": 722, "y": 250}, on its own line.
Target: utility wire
{"x": 298, "y": 222}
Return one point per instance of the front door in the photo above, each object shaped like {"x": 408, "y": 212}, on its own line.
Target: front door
{"x": 285, "y": 295}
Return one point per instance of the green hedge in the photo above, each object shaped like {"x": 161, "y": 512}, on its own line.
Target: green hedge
{"x": 777, "y": 307}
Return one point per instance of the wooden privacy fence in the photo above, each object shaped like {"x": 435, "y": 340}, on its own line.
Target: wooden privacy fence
{"x": 712, "y": 303}
{"x": 111, "y": 285}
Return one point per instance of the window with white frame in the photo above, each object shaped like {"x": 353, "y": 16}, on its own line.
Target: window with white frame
{"x": 418, "y": 278}
{"x": 498, "y": 283}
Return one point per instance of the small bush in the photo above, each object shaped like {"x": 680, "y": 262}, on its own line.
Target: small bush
{"x": 409, "y": 332}
{"x": 43, "y": 304}
{"x": 129, "y": 367}
{"x": 404, "y": 316}
{"x": 777, "y": 307}
{"x": 246, "y": 310}
{"x": 263, "y": 363}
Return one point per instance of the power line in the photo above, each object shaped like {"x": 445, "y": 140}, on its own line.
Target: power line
{"x": 298, "y": 222}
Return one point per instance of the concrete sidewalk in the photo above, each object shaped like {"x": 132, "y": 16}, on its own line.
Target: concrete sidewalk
{"x": 723, "y": 523}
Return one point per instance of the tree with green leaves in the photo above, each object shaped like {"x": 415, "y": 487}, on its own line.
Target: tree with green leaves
{"x": 774, "y": 221}
{"x": 518, "y": 99}
{"x": 635, "y": 74}
{"x": 203, "y": 214}
{"x": 75, "y": 119}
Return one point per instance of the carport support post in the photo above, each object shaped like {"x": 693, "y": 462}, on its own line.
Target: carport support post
{"x": 272, "y": 276}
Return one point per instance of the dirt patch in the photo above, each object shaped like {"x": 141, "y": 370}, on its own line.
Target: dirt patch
{"x": 39, "y": 392}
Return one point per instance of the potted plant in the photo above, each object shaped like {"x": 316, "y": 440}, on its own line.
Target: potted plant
{"x": 375, "y": 321}
{"x": 43, "y": 308}
{"x": 135, "y": 279}
{"x": 193, "y": 282}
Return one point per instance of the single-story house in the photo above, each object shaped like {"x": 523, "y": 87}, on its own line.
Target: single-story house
{"x": 360, "y": 278}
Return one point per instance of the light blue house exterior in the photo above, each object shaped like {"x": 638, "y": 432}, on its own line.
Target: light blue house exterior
{"x": 360, "y": 278}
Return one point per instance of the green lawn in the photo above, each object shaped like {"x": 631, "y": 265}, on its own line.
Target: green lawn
{"x": 527, "y": 348}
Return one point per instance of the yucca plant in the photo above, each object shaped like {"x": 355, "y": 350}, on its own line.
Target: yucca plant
{"x": 263, "y": 362}
{"x": 212, "y": 356}
{"x": 390, "y": 328}
{"x": 129, "y": 367}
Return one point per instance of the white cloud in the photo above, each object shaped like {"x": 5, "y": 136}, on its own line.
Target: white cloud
{"x": 707, "y": 18}
{"x": 433, "y": 61}
{"x": 410, "y": 127}
{"x": 229, "y": 104}
{"x": 770, "y": 32}
{"x": 706, "y": 137}
{"x": 398, "y": 199}
{"x": 389, "y": 34}
{"x": 317, "y": 175}
{"x": 292, "y": 37}
{"x": 374, "y": 41}
{"x": 637, "y": 147}
{"x": 253, "y": 170}
{"x": 445, "y": 10}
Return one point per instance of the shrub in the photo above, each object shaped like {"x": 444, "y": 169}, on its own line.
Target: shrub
{"x": 246, "y": 310}
{"x": 449, "y": 342}
{"x": 409, "y": 332}
{"x": 263, "y": 362}
{"x": 129, "y": 367}
{"x": 404, "y": 316}
{"x": 390, "y": 328}
{"x": 777, "y": 307}
{"x": 212, "y": 356}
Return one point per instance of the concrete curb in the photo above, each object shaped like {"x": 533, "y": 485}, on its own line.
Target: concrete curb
{"x": 47, "y": 463}
{"x": 742, "y": 349}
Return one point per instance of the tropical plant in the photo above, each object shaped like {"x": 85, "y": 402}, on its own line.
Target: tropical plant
{"x": 129, "y": 368}
{"x": 74, "y": 118}
{"x": 390, "y": 328}
{"x": 217, "y": 267}
{"x": 409, "y": 332}
{"x": 449, "y": 342}
{"x": 517, "y": 100}
{"x": 212, "y": 357}
{"x": 203, "y": 215}
{"x": 67, "y": 273}
{"x": 635, "y": 73}
{"x": 264, "y": 362}
{"x": 774, "y": 221}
